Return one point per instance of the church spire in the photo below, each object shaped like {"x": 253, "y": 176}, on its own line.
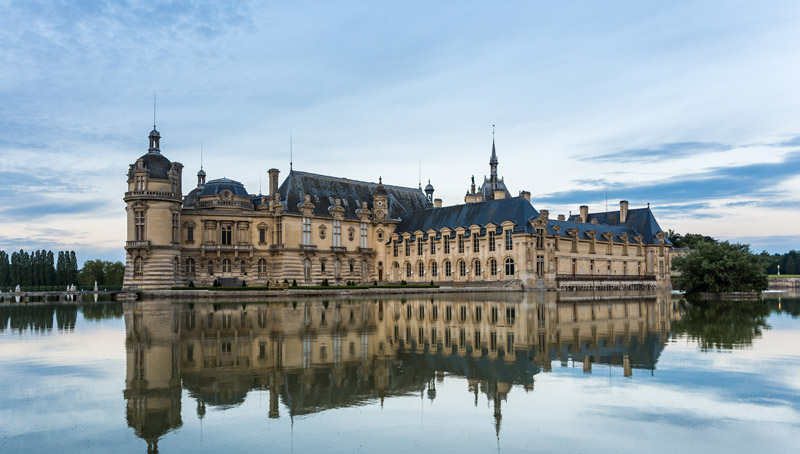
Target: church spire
{"x": 493, "y": 163}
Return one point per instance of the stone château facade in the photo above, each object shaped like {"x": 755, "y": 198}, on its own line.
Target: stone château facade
{"x": 314, "y": 227}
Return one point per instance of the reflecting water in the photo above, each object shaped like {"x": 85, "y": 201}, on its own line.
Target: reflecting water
{"x": 572, "y": 372}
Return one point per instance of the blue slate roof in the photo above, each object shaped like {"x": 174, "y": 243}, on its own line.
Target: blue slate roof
{"x": 641, "y": 220}
{"x": 324, "y": 190}
{"x": 516, "y": 209}
{"x": 584, "y": 227}
{"x": 157, "y": 164}
{"x": 217, "y": 186}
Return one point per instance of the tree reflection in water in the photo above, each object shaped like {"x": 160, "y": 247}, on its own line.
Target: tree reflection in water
{"x": 718, "y": 324}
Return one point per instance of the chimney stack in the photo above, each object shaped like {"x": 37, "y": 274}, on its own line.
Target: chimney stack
{"x": 437, "y": 203}
{"x": 561, "y": 217}
{"x": 623, "y": 211}
{"x": 545, "y": 214}
{"x": 525, "y": 194}
{"x": 273, "y": 182}
{"x": 584, "y": 213}
{"x": 499, "y": 194}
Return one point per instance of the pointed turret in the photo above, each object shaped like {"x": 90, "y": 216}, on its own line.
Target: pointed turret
{"x": 493, "y": 165}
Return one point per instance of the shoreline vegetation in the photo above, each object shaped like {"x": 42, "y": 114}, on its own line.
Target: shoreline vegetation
{"x": 716, "y": 267}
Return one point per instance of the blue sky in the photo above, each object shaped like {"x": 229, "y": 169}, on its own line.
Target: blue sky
{"x": 689, "y": 106}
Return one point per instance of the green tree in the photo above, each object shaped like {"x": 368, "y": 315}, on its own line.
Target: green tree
{"x": 720, "y": 267}
{"x": 5, "y": 268}
{"x": 108, "y": 275}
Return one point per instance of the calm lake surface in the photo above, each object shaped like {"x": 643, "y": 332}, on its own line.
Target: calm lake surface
{"x": 569, "y": 372}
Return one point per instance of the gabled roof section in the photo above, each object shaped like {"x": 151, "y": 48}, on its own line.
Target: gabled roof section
{"x": 516, "y": 209}
{"x": 641, "y": 220}
{"x": 584, "y": 227}
{"x": 324, "y": 190}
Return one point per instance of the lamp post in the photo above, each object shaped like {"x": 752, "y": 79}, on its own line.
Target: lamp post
{"x": 779, "y": 270}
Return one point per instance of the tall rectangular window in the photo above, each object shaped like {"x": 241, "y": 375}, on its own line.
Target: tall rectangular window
{"x": 492, "y": 246}
{"x": 476, "y": 244}
{"x": 190, "y": 234}
{"x": 509, "y": 243}
{"x": 460, "y": 239}
{"x": 337, "y": 233}
{"x": 419, "y": 246}
{"x": 363, "y": 226}
{"x": 433, "y": 244}
{"x": 227, "y": 234}
{"x": 539, "y": 239}
{"x": 278, "y": 230}
{"x": 140, "y": 221}
{"x": 176, "y": 233}
{"x": 446, "y": 239}
{"x": 407, "y": 248}
{"x": 394, "y": 248}
{"x": 306, "y": 231}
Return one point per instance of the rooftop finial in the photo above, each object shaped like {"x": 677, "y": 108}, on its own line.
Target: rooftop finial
{"x": 290, "y": 150}
{"x": 201, "y": 154}
{"x": 154, "y": 110}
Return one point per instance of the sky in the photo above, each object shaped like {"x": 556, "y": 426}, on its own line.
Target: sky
{"x": 689, "y": 106}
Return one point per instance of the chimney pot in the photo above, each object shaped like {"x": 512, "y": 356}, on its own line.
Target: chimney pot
{"x": 437, "y": 203}
{"x": 584, "y": 213}
{"x": 561, "y": 217}
{"x": 273, "y": 182}
{"x": 623, "y": 211}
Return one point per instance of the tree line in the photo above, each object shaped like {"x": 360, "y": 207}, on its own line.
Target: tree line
{"x": 789, "y": 261}
{"x": 44, "y": 270}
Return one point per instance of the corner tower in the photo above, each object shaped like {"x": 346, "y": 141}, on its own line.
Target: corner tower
{"x": 153, "y": 202}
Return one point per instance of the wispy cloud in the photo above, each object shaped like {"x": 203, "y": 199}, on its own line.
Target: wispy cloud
{"x": 751, "y": 181}
{"x": 659, "y": 153}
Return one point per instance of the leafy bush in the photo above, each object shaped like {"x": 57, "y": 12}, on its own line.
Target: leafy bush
{"x": 720, "y": 267}
{"x": 294, "y": 282}
{"x": 324, "y": 282}
{"x": 403, "y": 282}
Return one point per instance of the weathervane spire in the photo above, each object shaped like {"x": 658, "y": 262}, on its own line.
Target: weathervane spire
{"x": 154, "y": 110}
{"x": 290, "y": 150}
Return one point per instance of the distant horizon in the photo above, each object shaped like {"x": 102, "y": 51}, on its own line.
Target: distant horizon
{"x": 690, "y": 107}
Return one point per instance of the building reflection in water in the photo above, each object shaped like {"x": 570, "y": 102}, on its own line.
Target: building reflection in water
{"x": 317, "y": 355}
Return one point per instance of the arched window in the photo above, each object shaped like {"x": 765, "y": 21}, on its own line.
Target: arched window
{"x": 190, "y": 267}
{"x": 434, "y": 269}
{"x": 307, "y": 270}
{"x": 493, "y": 267}
{"x": 176, "y": 266}
{"x": 408, "y": 269}
{"x": 262, "y": 268}
{"x": 448, "y": 270}
{"x": 337, "y": 269}
{"x": 421, "y": 269}
{"x": 210, "y": 268}
{"x": 138, "y": 272}
{"x": 226, "y": 265}
{"x": 352, "y": 266}
{"x": 364, "y": 270}
{"x": 462, "y": 268}
{"x": 396, "y": 271}
{"x": 243, "y": 268}
{"x": 476, "y": 266}
{"x": 509, "y": 266}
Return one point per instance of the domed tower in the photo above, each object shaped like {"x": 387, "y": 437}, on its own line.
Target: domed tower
{"x": 429, "y": 195}
{"x": 153, "y": 202}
